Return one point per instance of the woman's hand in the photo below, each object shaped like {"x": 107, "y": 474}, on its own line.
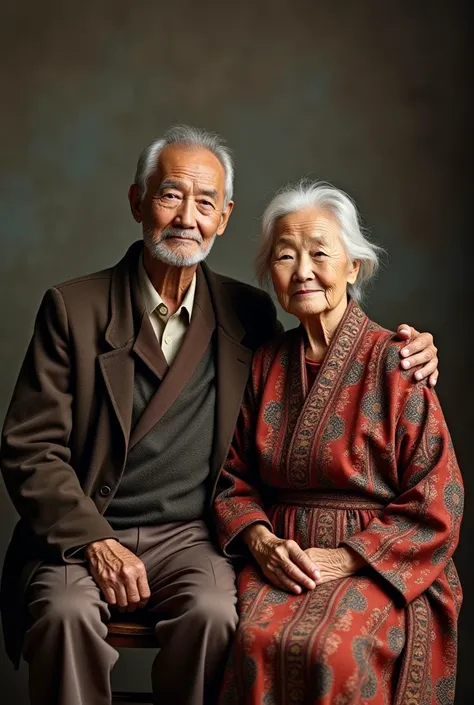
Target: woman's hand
{"x": 334, "y": 563}
{"x": 282, "y": 561}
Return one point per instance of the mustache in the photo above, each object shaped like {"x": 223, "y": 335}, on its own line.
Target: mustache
{"x": 169, "y": 233}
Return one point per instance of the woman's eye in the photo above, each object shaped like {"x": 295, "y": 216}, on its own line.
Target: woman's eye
{"x": 319, "y": 254}
{"x": 284, "y": 257}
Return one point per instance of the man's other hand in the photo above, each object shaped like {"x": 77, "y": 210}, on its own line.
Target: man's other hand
{"x": 119, "y": 573}
{"x": 420, "y": 350}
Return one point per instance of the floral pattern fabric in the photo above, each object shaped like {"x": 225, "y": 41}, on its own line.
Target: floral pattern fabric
{"x": 362, "y": 458}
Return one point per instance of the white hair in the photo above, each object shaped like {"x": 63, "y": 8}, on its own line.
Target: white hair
{"x": 189, "y": 137}
{"x": 307, "y": 194}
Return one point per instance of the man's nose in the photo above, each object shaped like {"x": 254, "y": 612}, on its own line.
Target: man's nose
{"x": 185, "y": 214}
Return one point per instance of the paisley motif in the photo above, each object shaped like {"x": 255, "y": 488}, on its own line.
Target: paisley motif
{"x": 363, "y": 460}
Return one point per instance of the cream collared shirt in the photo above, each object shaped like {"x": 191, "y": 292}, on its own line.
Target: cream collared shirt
{"x": 169, "y": 331}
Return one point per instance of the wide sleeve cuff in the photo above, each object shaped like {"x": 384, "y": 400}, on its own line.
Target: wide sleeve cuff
{"x": 230, "y": 531}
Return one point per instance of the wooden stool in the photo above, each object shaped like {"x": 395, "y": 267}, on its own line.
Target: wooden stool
{"x": 126, "y": 631}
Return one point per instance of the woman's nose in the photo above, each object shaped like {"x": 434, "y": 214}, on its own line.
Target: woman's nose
{"x": 303, "y": 270}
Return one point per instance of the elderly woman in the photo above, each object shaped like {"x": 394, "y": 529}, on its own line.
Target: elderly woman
{"x": 341, "y": 485}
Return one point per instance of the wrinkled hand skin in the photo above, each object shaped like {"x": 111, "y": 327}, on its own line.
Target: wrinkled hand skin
{"x": 419, "y": 354}
{"x": 119, "y": 573}
{"x": 335, "y": 563}
{"x": 282, "y": 561}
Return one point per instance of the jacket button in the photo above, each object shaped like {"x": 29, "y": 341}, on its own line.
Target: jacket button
{"x": 105, "y": 491}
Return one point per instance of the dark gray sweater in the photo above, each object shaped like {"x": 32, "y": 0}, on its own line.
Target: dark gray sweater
{"x": 165, "y": 474}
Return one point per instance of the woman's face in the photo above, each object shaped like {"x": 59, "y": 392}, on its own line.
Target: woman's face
{"x": 309, "y": 268}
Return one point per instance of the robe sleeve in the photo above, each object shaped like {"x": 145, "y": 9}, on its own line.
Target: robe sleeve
{"x": 238, "y": 503}
{"x": 410, "y": 543}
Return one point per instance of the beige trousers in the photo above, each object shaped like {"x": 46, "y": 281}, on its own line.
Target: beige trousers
{"x": 193, "y": 598}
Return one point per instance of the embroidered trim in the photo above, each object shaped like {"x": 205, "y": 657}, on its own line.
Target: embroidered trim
{"x": 332, "y": 500}
{"x": 414, "y": 679}
{"x": 341, "y": 350}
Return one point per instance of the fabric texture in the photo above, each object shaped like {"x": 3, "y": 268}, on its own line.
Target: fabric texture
{"x": 363, "y": 458}
{"x": 165, "y": 476}
{"x": 192, "y": 605}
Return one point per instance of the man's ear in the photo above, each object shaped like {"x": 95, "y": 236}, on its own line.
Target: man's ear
{"x": 354, "y": 268}
{"x": 225, "y": 215}
{"x": 135, "y": 200}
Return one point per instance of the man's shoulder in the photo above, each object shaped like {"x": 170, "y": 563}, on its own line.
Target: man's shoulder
{"x": 253, "y": 307}
{"x": 241, "y": 291}
{"x": 82, "y": 300}
{"x": 95, "y": 287}
{"x": 85, "y": 285}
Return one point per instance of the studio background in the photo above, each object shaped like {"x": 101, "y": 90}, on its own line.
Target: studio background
{"x": 372, "y": 96}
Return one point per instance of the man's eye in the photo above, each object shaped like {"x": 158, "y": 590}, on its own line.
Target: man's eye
{"x": 169, "y": 196}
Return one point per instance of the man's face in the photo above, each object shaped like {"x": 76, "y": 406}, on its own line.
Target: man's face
{"x": 183, "y": 209}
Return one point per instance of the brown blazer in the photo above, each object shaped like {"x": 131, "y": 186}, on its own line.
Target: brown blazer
{"x": 67, "y": 430}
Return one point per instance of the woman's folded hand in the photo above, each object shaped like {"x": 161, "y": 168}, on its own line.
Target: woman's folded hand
{"x": 282, "y": 561}
{"x": 334, "y": 563}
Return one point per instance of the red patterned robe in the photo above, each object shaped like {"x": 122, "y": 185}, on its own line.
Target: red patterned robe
{"x": 364, "y": 459}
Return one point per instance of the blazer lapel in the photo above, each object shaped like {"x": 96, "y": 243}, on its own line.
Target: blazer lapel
{"x": 193, "y": 347}
{"x": 214, "y": 310}
{"x": 233, "y": 368}
{"x": 117, "y": 365}
{"x": 148, "y": 349}
{"x": 117, "y": 370}
{"x": 233, "y": 361}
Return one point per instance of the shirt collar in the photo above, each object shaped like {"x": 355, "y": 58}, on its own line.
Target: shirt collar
{"x": 152, "y": 299}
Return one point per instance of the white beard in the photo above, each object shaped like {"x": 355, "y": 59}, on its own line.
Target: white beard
{"x": 158, "y": 249}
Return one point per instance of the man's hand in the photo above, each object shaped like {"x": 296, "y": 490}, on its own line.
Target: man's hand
{"x": 283, "y": 562}
{"x": 420, "y": 351}
{"x": 119, "y": 573}
{"x": 334, "y": 563}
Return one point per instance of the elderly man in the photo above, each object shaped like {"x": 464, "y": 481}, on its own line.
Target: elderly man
{"x": 120, "y": 421}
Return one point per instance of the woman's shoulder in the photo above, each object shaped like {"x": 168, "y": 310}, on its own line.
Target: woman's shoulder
{"x": 383, "y": 358}
{"x": 276, "y": 349}
{"x": 383, "y": 338}
{"x": 282, "y": 340}
{"x": 372, "y": 344}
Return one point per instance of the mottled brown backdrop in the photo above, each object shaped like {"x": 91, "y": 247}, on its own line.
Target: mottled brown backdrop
{"x": 373, "y": 96}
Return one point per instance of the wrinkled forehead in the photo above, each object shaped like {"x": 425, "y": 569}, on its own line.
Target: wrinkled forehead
{"x": 307, "y": 226}
{"x": 189, "y": 165}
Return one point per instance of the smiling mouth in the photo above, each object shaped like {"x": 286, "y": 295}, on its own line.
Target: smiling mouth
{"x": 306, "y": 292}
{"x": 182, "y": 239}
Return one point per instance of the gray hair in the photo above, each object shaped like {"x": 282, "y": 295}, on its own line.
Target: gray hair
{"x": 307, "y": 194}
{"x": 189, "y": 137}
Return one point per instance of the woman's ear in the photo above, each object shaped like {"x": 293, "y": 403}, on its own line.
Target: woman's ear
{"x": 353, "y": 273}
